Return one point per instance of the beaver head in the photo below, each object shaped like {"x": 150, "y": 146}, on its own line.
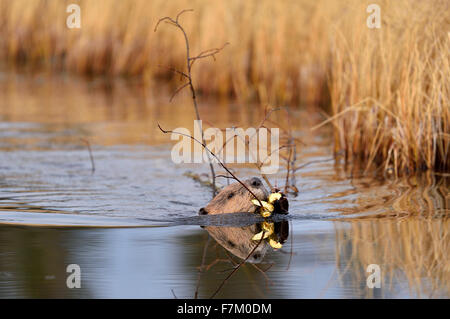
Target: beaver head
{"x": 234, "y": 198}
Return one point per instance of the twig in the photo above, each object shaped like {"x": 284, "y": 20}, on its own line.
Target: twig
{"x": 90, "y": 154}
{"x": 201, "y": 267}
{"x": 188, "y": 75}
{"x": 214, "y": 155}
{"x": 258, "y": 163}
{"x": 291, "y": 230}
{"x": 225, "y": 176}
{"x": 288, "y": 170}
{"x": 207, "y": 53}
{"x": 177, "y": 91}
{"x": 263, "y": 272}
{"x": 174, "y": 70}
{"x": 237, "y": 267}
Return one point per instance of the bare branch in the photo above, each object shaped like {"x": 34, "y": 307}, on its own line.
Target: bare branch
{"x": 177, "y": 91}
{"x": 238, "y": 266}
{"x": 174, "y": 70}
{"x": 183, "y": 11}
{"x": 205, "y": 248}
{"x": 165, "y": 19}
{"x": 206, "y": 54}
{"x": 224, "y": 176}
{"x": 188, "y": 75}
{"x": 214, "y": 155}
{"x": 90, "y": 154}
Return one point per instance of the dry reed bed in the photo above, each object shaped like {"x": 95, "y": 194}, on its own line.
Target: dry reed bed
{"x": 388, "y": 88}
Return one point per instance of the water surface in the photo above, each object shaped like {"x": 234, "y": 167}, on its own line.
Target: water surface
{"x": 132, "y": 224}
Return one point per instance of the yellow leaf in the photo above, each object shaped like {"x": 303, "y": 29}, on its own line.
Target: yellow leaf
{"x": 269, "y": 207}
{"x": 255, "y": 202}
{"x": 275, "y": 244}
{"x": 268, "y": 227}
{"x": 274, "y": 197}
{"x": 265, "y": 213}
{"x": 259, "y": 235}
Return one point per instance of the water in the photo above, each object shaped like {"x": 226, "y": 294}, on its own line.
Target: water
{"x": 132, "y": 225}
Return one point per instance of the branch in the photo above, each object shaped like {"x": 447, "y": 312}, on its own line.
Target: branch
{"x": 238, "y": 266}
{"x": 178, "y": 90}
{"x": 183, "y": 11}
{"x": 214, "y": 155}
{"x": 90, "y": 154}
{"x": 206, "y": 53}
{"x": 188, "y": 75}
{"x": 174, "y": 70}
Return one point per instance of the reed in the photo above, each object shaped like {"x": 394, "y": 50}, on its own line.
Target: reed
{"x": 388, "y": 88}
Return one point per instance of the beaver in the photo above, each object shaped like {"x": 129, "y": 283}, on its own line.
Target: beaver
{"x": 234, "y": 198}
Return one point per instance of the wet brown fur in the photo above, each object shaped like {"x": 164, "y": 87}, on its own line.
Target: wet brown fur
{"x": 235, "y": 198}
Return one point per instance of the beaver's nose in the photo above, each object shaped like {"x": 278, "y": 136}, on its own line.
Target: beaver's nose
{"x": 255, "y": 182}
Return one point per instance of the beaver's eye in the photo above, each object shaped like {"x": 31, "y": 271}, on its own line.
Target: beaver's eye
{"x": 230, "y": 195}
{"x": 256, "y": 183}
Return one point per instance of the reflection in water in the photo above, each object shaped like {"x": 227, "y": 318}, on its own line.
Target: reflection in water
{"x": 326, "y": 262}
{"x": 240, "y": 241}
{"x": 249, "y": 243}
{"x": 32, "y": 263}
{"x": 426, "y": 196}
{"x": 412, "y": 251}
{"x": 105, "y": 112}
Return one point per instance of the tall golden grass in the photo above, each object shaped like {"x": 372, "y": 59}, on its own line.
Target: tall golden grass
{"x": 388, "y": 88}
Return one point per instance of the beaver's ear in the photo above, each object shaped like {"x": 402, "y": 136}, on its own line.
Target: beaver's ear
{"x": 203, "y": 211}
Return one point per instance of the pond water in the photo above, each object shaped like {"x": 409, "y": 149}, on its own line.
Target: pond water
{"x": 132, "y": 224}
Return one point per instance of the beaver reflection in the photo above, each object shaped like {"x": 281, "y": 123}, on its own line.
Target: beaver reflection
{"x": 240, "y": 241}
